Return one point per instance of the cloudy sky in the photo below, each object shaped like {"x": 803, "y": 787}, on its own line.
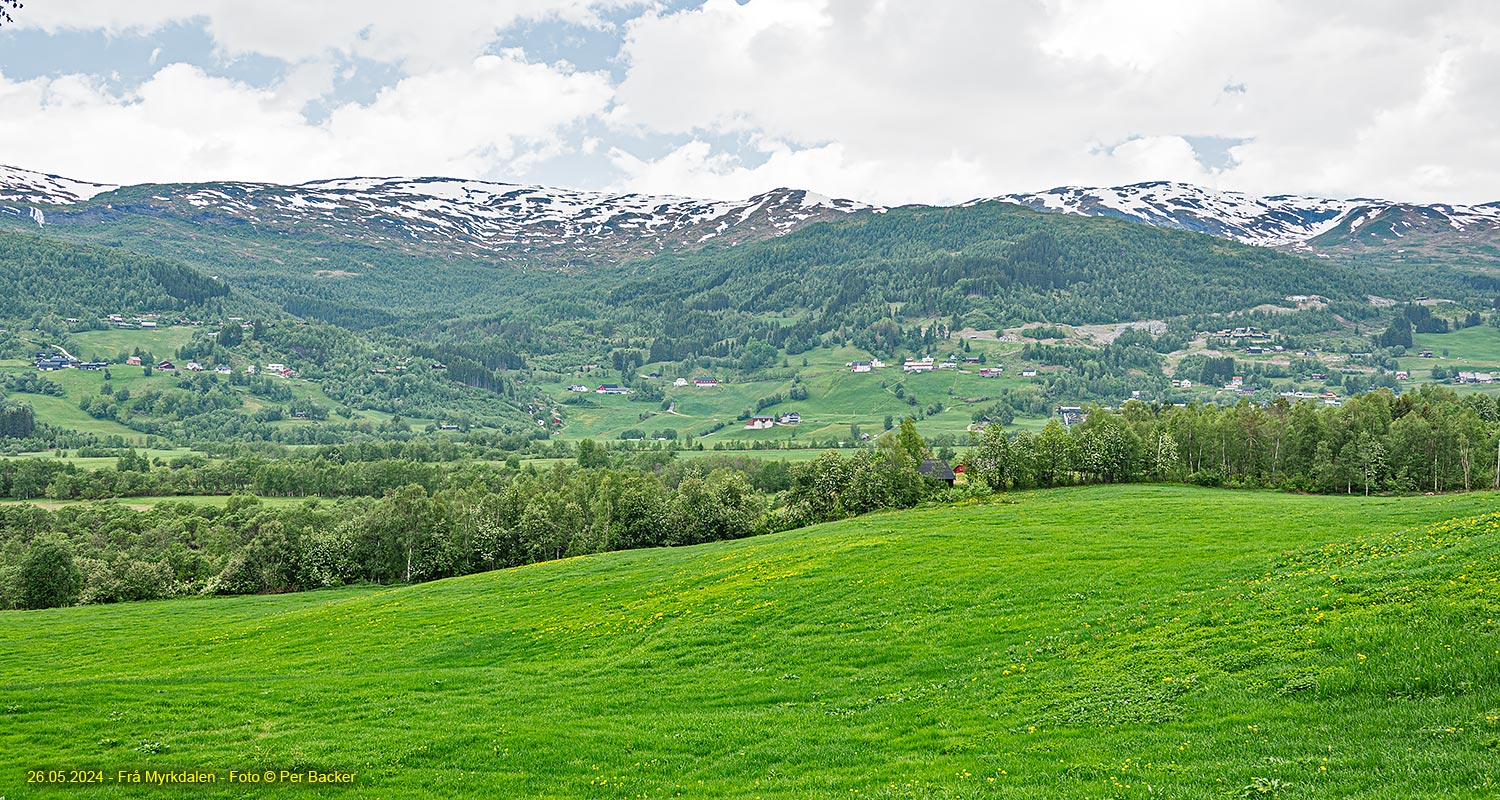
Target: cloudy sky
{"x": 887, "y": 101}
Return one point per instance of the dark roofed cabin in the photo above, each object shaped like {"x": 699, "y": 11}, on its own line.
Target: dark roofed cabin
{"x": 937, "y": 469}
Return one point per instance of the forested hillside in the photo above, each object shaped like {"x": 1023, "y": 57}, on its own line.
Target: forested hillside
{"x": 40, "y": 275}
{"x": 985, "y": 266}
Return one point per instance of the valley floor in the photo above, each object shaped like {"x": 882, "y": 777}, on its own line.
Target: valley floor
{"x": 1135, "y": 641}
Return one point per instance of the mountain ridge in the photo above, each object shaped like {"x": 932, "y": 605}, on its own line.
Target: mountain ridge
{"x": 536, "y": 222}
{"x": 1286, "y": 221}
{"x": 484, "y": 216}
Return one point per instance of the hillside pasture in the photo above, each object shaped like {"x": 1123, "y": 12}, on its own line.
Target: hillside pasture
{"x": 105, "y": 345}
{"x": 1135, "y": 641}
{"x": 836, "y": 399}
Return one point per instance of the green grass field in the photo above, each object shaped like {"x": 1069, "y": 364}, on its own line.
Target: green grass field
{"x": 837, "y": 398}
{"x": 106, "y": 344}
{"x": 65, "y": 413}
{"x": 1120, "y": 642}
{"x": 1479, "y": 345}
{"x": 96, "y": 462}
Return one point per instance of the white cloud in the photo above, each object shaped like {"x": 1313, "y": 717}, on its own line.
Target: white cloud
{"x": 444, "y": 33}
{"x": 494, "y": 116}
{"x": 883, "y": 100}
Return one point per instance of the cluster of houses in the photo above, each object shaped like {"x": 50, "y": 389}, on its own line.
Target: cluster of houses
{"x": 1247, "y": 332}
{"x": 611, "y": 388}
{"x": 760, "y": 423}
{"x": 1474, "y": 377}
{"x": 1329, "y": 398}
{"x": 700, "y": 382}
{"x": 923, "y": 364}
{"x": 396, "y": 365}
{"x": 279, "y": 370}
{"x": 143, "y": 321}
{"x": 1182, "y": 384}
{"x": 50, "y": 362}
{"x": 154, "y": 320}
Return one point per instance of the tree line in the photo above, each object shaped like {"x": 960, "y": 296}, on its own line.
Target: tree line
{"x": 1430, "y": 439}
{"x": 480, "y": 520}
{"x": 415, "y": 521}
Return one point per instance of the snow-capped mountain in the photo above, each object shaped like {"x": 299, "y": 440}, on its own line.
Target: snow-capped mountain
{"x": 1286, "y": 221}
{"x": 441, "y": 212}
{"x": 540, "y": 225}
{"x": 24, "y": 186}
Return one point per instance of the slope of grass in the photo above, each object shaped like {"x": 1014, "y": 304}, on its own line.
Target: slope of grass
{"x": 1102, "y": 642}
{"x": 65, "y": 413}
{"x": 104, "y": 345}
{"x": 836, "y": 399}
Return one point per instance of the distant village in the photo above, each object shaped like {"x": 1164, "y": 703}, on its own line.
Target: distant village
{"x": 47, "y": 361}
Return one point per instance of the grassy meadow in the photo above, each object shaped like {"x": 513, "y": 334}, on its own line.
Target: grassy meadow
{"x": 105, "y": 345}
{"x": 64, "y": 412}
{"x": 836, "y": 399}
{"x": 1105, "y": 642}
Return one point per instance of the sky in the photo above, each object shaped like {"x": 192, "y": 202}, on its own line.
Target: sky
{"x": 884, "y": 101}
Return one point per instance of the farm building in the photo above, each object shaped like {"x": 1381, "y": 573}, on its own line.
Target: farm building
{"x": 937, "y": 469}
{"x": 1070, "y": 415}
{"x": 610, "y": 388}
{"x": 760, "y": 423}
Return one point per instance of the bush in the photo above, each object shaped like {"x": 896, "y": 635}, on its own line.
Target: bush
{"x": 48, "y": 578}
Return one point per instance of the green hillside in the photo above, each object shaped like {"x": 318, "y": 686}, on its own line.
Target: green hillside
{"x": 1105, "y": 642}
{"x": 44, "y": 276}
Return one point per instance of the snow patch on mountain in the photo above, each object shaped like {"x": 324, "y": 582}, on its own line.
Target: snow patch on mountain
{"x": 483, "y": 214}
{"x": 24, "y": 186}
{"x": 1275, "y": 221}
